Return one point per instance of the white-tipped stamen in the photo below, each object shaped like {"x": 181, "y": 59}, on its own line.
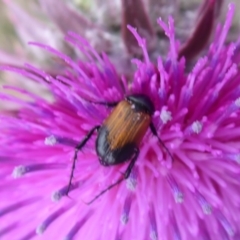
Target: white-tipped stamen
{"x": 19, "y": 171}
{"x": 165, "y": 116}
{"x": 124, "y": 218}
{"x": 153, "y": 235}
{"x": 126, "y": 210}
{"x": 238, "y": 158}
{"x": 40, "y": 229}
{"x": 206, "y": 207}
{"x": 131, "y": 184}
{"x": 177, "y": 193}
{"x": 56, "y": 196}
{"x": 51, "y": 140}
{"x": 197, "y": 127}
{"x": 237, "y": 102}
{"x": 178, "y": 196}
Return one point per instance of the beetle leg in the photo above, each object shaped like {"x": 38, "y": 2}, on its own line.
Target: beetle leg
{"x": 125, "y": 176}
{"x": 154, "y": 132}
{"x": 131, "y": 165}
{"x": 78, "y": 148}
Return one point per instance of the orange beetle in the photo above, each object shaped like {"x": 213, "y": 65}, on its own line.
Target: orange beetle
{"x": 120, "y": 135}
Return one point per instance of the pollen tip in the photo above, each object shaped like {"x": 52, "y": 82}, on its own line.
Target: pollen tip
{"x": 40, "y": 229}
{"x": 237, "y": 102}
{"x": 238, "y": 158}
{"x": 197, "y": 127}
{"x": 51, "y": 140}
{"x": 124, "y": 218}
{"x": 56, "y": 196}
{"x": 207, "y": 210}
{"x": 179, "y": 198}
{"x": 131, "y": 184}
{"x": 19, "y": 171}
{"x": 165, "y": 116}
{"x": 153, "y": 235}
{"x": 67, "y": 238}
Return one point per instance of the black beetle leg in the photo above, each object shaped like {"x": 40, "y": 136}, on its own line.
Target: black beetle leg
{"x": 77, "y": 148}
{"x": 125, "y": 176}
{"x": 154, "y": 132}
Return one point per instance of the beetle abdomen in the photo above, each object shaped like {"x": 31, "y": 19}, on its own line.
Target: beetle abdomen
{"x": 108, "y": 156}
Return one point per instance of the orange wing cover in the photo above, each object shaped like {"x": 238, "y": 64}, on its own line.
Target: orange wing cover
{"x": 125, "y": 125}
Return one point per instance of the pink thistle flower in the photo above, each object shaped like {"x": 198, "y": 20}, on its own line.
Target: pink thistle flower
{"x": 197, "y": 117}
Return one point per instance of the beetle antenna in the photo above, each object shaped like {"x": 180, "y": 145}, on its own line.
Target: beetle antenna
{"x": 107, "y": 104}
{"x": 154, "y": 132}
{"x": 126, "y": 175}
{"x": 77, "y": 149}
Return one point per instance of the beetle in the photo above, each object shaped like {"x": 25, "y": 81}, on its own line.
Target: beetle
{"x": 120, "y": 135}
